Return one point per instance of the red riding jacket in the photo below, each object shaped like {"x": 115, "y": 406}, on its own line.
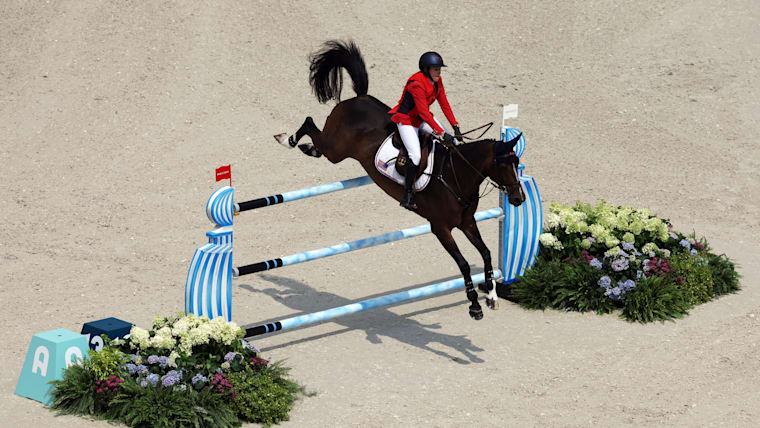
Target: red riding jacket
{"x": 414, "y": 106}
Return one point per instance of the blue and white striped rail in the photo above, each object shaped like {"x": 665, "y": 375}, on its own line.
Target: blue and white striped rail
{"x": 404, "y": 296}
{"x": 346, "y": 247}
{"x": 303, "y": 193}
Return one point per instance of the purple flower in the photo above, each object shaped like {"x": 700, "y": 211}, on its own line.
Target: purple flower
{"x": 591, "y": 239}
{"x": 672, "y": 235}
{"x": 628, "y": 246}
{"x": 230, "y": 356}
{"x": 152, "y": 359}
{"x": 199, "y": 378}
{"x": 141, "y": 369}
{"x": 614, "y": 293}
{"x": 144, "y": 384}
{"x": 627, "y": 285}
{"x": 693, "y": 251}
{"x": 595, "y": 263}
{"x": 686, "y": 244}
{"x": 620, "y": 265}
{"x": 170, "y": 378}
{"x": 640, "y": 274}
{"x": 131, "y": 368}
{"x": 153, "y": 379}
{"x": 163, "y": 361}
{"x": 604, "y": 281}
{"x": 133, "y": 357}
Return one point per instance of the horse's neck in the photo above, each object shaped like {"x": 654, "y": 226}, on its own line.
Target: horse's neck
{"x": 470, "y": 168}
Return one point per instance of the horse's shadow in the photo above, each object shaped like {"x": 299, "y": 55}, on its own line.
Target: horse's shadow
{"x": 382, "y": 322}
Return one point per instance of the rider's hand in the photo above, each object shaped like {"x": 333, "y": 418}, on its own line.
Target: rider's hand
{"x": 458, "y": 134}
{"x": 448, "y": 140}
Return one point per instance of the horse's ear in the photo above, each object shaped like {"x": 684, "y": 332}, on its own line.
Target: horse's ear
{"x": 513, "y": 142}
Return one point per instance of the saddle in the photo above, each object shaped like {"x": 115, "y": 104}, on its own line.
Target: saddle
{"x": 426, "y": 144}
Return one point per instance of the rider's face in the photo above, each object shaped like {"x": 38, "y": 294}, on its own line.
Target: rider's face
{"x": 435, "y": 73}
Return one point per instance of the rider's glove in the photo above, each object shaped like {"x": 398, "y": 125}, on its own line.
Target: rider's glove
{"x": 458, "y": 134}
{"x": 448, "y": 140}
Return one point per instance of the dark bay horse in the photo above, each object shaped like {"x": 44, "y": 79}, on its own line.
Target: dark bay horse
{"x": 356, "y": 128}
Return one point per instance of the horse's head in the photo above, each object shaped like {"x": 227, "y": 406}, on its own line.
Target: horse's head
{"x": 503, "y": 170}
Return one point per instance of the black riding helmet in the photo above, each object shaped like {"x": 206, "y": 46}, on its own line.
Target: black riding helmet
{"x": 431, "y": 59}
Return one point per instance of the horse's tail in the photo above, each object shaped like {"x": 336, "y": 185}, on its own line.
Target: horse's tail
{"x": 326, "y": 77}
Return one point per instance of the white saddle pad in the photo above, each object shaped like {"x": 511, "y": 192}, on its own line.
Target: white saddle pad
{"x": 385, "y": 162}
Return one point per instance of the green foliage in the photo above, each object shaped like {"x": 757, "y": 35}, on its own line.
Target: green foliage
{"x": 537, "y": 288}
{"x": 264, "y": 395}
{"x": 562, "y": 285}
{"x": 580, "y": 290}
{"x": 170, "y": 407}
{"x": 75, "y": 393}
{"x": 725, "y": 276}
{"x": 693, "y": 276}
{"x": 655, "y": 299}
{"x": 109, "y": 361}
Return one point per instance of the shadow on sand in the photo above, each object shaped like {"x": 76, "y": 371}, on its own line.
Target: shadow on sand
{"x": 382, "y": 323}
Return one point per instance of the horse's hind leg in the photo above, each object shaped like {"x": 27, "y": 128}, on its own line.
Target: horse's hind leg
{"x": 308, "y": 128}
{"x": 470, "y": 229}
{"x": 444, "y": 236}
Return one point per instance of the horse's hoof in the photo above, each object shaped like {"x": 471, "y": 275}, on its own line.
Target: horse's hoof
{"x": 309, "y": 150}
{"x": 492, "y": 304}
{"x": 283, "y": 139}
{"x": 476, "y": 314}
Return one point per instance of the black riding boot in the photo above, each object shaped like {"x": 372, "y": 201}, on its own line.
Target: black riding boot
{"x": 411, "y": 176}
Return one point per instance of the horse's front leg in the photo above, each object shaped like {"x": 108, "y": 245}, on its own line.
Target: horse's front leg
{"x": 444, "y": 236}
{"x": 307, "y": 128}
{"x": 470, "y": 229}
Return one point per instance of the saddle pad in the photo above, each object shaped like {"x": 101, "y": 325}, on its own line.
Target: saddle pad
{"x": 385, "y": 162}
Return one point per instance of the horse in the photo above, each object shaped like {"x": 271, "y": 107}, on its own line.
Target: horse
{"x": 356, "y": 128}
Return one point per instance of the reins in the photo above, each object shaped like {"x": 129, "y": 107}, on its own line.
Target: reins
{"x": 488, "y": 181}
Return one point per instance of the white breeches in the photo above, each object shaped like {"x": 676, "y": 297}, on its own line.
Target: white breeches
{"x": 410, "y": 136}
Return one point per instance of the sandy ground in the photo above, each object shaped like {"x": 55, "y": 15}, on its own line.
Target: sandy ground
{"x": 113, "y": 116}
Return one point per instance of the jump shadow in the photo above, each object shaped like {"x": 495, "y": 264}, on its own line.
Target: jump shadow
{"x": 381, "y": 323}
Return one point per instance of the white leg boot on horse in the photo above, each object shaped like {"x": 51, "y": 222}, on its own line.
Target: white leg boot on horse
{"x": 307, "y": 148}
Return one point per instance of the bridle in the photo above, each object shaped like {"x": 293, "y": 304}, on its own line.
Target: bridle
{"x": 501, "y": 159}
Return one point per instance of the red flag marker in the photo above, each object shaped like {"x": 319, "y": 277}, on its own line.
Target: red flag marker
{"x": 224, "y": 172}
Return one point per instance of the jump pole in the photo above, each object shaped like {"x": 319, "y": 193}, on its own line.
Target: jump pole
{"x": 313, "y": 318}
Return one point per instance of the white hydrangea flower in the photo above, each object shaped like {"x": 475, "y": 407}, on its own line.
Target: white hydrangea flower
{"x": 182, "y": 327}
{"x": 139, "y": 337}
{"x": 608, "y": 220}
{"x": 628, "y": 237}
{"x": 650, "y": 248}
{"x": 612, "y": 252}
{"x": 652, "y": 224}
{"x": 550, "y": 241}
{"x": 611, "y": 241}
{"x": 598, "y": 231}
{"x": 172, "y": 361}
{"x": 158, "y": 322}
{"x": 636, "y": 226}
{"x": 552, "y": 220}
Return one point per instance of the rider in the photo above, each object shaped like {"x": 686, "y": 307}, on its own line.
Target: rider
{"x": 413, "y": 113}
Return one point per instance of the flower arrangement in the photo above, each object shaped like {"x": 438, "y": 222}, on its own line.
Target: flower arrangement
{"x": 605, "y": 257}
{"x": 184, "y": 371}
